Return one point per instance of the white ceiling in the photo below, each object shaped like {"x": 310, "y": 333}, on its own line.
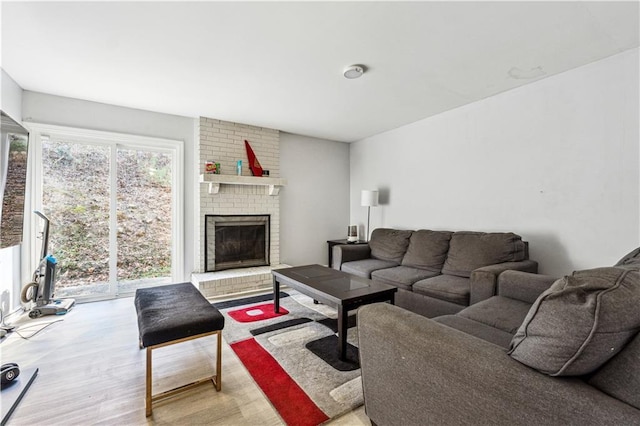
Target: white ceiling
{"x": 279, "y": 65}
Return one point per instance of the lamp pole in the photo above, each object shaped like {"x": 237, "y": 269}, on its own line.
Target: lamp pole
{"x": 369, "y": 199}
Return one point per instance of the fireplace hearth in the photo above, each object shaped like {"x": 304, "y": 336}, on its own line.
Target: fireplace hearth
{"x": 236, "y": 241}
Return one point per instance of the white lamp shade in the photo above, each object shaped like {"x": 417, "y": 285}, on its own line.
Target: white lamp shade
{"x": 369, "y": 198}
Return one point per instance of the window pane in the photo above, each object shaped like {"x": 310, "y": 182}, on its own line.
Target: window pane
{"x": 144, "y": 218}
{"x": 76, "y": 200}
{"x": 12, "y": 209}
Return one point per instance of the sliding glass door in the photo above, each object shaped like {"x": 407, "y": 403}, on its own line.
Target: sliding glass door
{"x": 143, "y": 217}
{"x": 114, "y": 210}
{"x": 76, "y": 192}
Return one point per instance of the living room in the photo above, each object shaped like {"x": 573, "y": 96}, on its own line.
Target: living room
{"x": 537, "y": 134}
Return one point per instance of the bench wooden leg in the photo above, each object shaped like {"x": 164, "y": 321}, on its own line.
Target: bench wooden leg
{"x": 148, "y": 397}
{"x": 217, "y": 379}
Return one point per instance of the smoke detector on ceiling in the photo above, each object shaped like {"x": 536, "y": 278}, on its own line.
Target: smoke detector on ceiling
{"x": 353, "y": 71}
{"x": 526, "y": 74}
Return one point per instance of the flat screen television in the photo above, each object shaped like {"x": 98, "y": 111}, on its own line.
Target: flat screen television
{"x": 14, "y": 141}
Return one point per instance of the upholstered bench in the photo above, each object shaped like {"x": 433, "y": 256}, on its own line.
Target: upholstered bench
{"x": 172, "y": 314}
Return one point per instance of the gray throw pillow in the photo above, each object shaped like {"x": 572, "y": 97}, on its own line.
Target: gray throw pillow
{"x": 473, "y": 250}
{"x": 427, "y": 250}
{"x": 389, "y": 244}
{"x": 580, "y": 322}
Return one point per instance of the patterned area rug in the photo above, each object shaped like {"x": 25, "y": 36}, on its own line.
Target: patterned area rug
{"x": 293, "y": 356}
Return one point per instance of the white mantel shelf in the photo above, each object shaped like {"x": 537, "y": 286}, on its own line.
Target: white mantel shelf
{"x": 215, "y": 181}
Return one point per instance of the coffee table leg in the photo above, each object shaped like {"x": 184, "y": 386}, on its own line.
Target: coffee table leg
{"x": 343, "y": 318}
{"x": 276, "y": 295}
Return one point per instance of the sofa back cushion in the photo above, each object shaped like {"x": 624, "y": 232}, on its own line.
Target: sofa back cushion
{"x": 620, "y": 377}
{"x": 580, "y": 322}
{"x": 630, "y": 260}
{"x": 523, "y": 286}
{"x": 427, "y": 250}
{"x": 473, "y": 250}
{"x": 389, "y": 244}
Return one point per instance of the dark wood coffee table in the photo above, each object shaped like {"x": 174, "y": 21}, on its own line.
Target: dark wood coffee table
{"x": 335, "y": 288}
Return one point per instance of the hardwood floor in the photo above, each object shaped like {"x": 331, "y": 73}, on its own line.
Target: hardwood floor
{"x": 91, "y": 371}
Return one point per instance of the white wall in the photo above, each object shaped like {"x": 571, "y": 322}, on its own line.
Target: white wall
{"x": 556, "y": 161}
{"x": 10, "y": 282}
{"x": 50, "y": 109}
{"x": 11, "y": 99}
{"x": 314, "y": 206}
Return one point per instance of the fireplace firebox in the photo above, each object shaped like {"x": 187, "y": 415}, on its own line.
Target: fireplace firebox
{"x": 236, "y": 241}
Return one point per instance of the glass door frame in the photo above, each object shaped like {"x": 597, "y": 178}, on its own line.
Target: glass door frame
{"x": 115, "y": 141}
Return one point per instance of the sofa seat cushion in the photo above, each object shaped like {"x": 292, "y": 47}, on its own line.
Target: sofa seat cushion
{"x": 401, "y": 276}
{"x": 580, "y": 322}
{"x": 473, "y": 250}
{"x": 389, "y": 244}
{"x": 427, "y": 250}
{"x": 477, "y": 329}
{"x": 500, "y": 312}
{"x": 620, "y": 377}
{"x": 445, "y": 287}
{"x": 364, "y": 268}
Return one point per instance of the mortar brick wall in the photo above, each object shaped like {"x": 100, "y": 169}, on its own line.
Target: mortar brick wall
{"x": 223, "y": 142}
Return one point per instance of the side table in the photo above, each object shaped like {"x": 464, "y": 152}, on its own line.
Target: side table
{"x": 331, "y": 243}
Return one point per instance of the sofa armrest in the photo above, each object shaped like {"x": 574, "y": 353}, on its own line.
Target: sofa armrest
{"x": 418, "y": 372}
{"x": 348, "y": 253}
{"x": 484, "y": 280}
{"x": 523, "y": 286}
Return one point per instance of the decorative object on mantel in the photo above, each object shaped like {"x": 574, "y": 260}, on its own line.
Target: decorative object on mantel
{"x": 254, "y": 164}
{"x": 212, "y": 168}
{"x": 369, "y": 199}
{"x": 239, "y": 168}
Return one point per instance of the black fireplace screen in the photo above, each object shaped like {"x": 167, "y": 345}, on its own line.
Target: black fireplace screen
{"x": 236, "y": 241}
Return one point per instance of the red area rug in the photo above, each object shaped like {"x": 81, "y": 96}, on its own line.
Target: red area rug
{"x": 289, "y": 356}
{"x": 256, "y": 313}
{"x": 292, "y": 403}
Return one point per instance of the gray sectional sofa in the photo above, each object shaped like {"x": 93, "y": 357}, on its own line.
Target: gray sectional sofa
{"x": 541, "y": 351}
{"x": 436, "y": 272}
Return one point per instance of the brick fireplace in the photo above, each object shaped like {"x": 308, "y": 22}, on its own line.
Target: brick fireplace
{"x": 229, "y": 195}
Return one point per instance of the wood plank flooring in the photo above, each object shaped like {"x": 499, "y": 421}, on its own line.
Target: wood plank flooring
{"x": 93, "y": 373}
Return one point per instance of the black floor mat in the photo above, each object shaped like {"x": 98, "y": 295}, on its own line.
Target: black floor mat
{"x": 327, "y": 349}
{"x": 247, "y": 300}
{"x": 279, "y": 326}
